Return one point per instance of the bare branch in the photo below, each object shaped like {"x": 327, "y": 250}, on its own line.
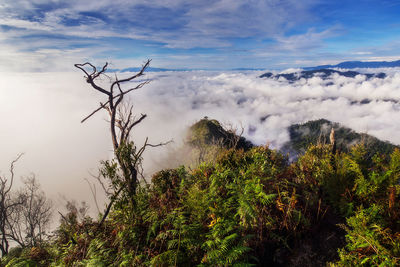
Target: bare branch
{"x": 81, "y": 67}
{"x": 70, "y": 236}
{"x": 160, "y": 144}
{"x": 91, "y": 77}
{"x": 106, "y": 103}
{"x": 94, "y": 193}
{"x": 121, "y": 95}
{"x": 96, "y": 110}
{"x": 109, "y": 206}
{"x": 140, "y": 73}
{"x": 12, "y": 172}
{"x": 142, "y": 117}
{"x": 143, "y": 148}
{"x": 103, "y": 70}
{"x": 100, "y": 182}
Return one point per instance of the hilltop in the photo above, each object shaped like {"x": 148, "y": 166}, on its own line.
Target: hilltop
{"x": 211, "y": 132}
{"x": 317, "y": 131}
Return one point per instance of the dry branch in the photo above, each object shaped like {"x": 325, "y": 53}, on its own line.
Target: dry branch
{"x": 121, "y": 124}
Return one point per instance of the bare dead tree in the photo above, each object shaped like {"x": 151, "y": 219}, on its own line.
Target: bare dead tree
{"x": 28, "y": 224}
{"x": 8, "y": 206}
{"x": 37, "y": 212}
{"x": 25, "y": 214}
{"x": 232, "y": 135}
{"x": 122, "y": 120}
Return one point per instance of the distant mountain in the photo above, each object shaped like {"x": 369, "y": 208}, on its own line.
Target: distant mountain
{"x": 358, "y": 64}
{"x": 312, "y": 132}
{"x": 247, "y": 69}
{"x": 149, "y": 69}
{"x": 322, "y": 73}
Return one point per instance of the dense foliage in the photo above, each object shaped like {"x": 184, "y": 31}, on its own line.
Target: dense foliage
{"x": 247, "y": 208}
{"x": 312, "y": 132}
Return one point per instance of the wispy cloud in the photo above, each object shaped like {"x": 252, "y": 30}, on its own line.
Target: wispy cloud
{"x": 168, "y": 25}
{"x": 158, "y": 21}
{"x": 305, "y": 42}
{"x": 257, "y": 33}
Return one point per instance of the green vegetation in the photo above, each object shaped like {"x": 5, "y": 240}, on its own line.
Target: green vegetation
{"x": 206, "y": 138}
{"x": 245, "y": 208}
{"x": 312, "y": 132}
{"x": 207, "y": 132}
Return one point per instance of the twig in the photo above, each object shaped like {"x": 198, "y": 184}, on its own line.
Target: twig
{"x": 70, "y": 236}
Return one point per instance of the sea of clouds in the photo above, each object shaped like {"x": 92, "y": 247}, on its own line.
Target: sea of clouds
{"x": 266, "y": 107}
{"x": 41, "y": 115}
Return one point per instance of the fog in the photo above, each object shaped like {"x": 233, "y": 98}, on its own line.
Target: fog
{"x": 41, "y": 114}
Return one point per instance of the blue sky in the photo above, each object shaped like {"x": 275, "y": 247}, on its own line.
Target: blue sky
{"x": 47, "y": 35}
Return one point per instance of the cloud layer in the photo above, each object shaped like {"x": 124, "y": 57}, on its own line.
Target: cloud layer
{"x": 265, "y": 108}
{"x": 41, "y": 115}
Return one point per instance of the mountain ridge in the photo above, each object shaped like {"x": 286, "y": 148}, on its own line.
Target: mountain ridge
{"x": 322, "y": 73}
{"x": 317, "y": 131}
{"x": 341, "y": 65}
{"x": 358, "y": 64}
{"x": 206, "y": 132}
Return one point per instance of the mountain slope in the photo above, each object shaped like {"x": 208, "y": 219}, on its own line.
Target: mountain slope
{"x": 211, "y": 132}
{"x": 312, "y": 132}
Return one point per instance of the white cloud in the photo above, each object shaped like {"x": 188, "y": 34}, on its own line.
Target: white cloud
{"x": 24, "y": 24}
{"x": 197, "y": 24}
{"x": 362, "y": 53}
{"x": 245, "y": 98}
{"x": 278, "y": 32}
{"x": 32, "y": 27}
{"x": 41, "y": 115}
{"x": 13, "y": 59}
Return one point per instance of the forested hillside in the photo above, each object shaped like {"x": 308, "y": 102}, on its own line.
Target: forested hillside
{"x": 242, "y": 206}
{"x": 313, "y": 132}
